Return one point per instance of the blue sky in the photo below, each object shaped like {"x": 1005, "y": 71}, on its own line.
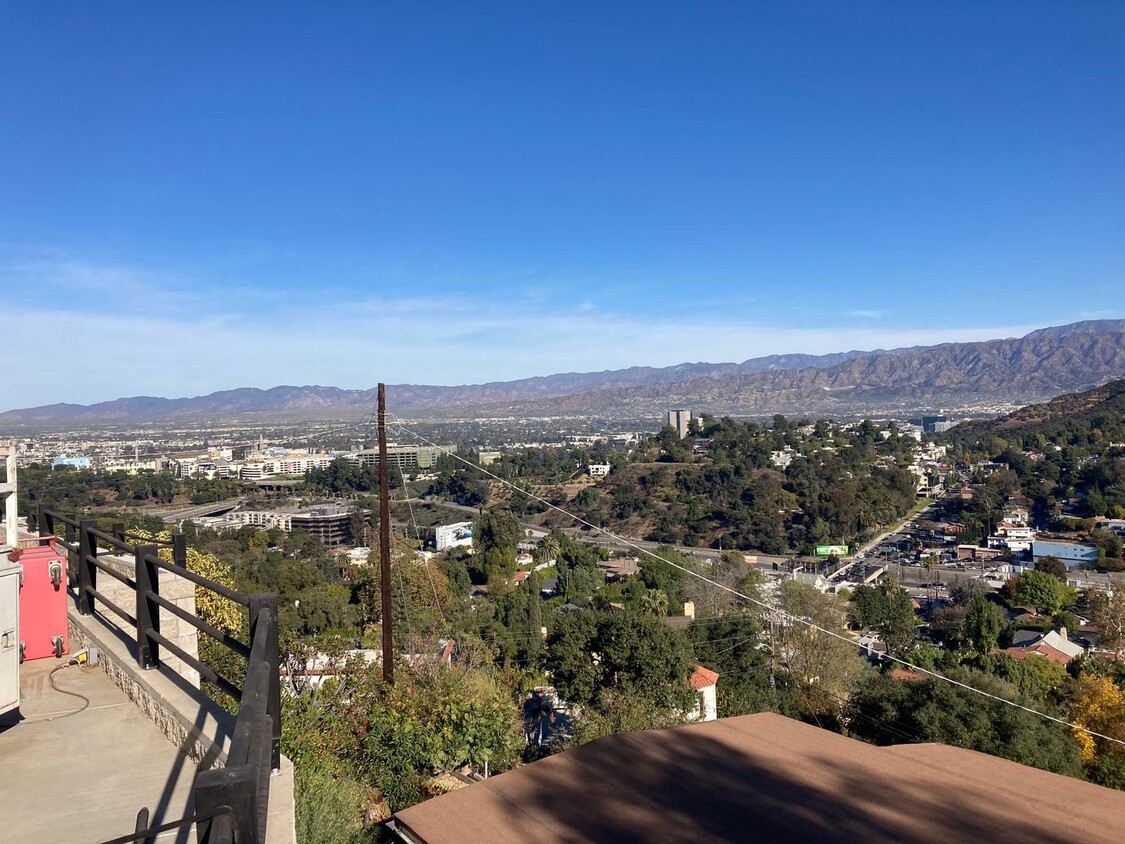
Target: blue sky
{"x": 223, "y": 195}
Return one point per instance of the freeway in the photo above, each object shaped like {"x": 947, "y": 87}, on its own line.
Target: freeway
{"x": 215, "y": 508}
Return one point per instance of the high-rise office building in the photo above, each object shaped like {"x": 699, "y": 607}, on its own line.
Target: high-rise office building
{"x": 679, "y": 419}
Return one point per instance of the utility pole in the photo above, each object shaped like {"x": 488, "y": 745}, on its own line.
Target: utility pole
{"x": 385, "y": 542}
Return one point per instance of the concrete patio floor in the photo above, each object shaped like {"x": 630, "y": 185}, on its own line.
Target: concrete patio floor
{"x": 80, "y": 773}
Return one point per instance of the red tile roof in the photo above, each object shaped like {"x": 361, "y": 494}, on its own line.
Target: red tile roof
{"x": 702, "y": 678}
{"x": 1043, "y": 649}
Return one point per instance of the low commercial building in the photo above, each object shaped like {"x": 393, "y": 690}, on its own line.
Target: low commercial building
{"x": 1070, "y": 554}
{"x": 330, "y": 523}
{"x": 75, "y": 462}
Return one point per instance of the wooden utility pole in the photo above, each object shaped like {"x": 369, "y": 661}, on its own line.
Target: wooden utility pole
{"x": 385, "y": 542}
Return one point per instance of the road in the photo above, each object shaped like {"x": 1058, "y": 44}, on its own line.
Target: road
{"x": 921, "y": 514}
{"x": 212, "y": 509}
{"x": 596, "y": 537}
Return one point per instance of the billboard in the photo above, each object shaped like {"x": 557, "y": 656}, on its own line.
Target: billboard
{"x": 832, "y": 550}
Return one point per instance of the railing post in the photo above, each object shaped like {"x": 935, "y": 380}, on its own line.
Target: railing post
{"x": 148, "y": 611}
{"x": 265, "y": 624}
{"x": 71, "y": 555}
{"x": 45, "y": 520}
{"x": 142, "y": 822}
{"x": 179, "y": 550}
{"x": 118, "y": 531}
{"x": 232, "y": 788}
{"x": 87, "y": 571}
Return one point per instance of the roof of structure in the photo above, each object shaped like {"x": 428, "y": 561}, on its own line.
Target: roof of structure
{"x": 1052, "y": 645}
{"x": 1041, "y": 649}
{"x": 1064, "y": 550}
{"x": 702, "y": 677}
{"x": 766, "y": 777}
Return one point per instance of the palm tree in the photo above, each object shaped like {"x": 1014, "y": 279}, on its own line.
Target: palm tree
{"x": 654, "y": 602}
{"x": 549, "y": 548}
{"x": 931, "y": 562}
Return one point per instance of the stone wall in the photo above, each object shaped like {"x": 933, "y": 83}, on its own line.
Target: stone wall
{"x": 172, "y": 587}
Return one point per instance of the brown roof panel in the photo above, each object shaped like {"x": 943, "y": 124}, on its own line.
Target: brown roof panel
{"x": 766, "y": 777}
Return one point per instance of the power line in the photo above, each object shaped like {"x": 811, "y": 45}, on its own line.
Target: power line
{"x": 418, "y": 536}
{"x": 782, "y": 613}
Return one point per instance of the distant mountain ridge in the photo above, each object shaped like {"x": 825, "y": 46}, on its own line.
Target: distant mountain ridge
{"x": 1016, "y": 371}
{"x": 1042, "y": 364}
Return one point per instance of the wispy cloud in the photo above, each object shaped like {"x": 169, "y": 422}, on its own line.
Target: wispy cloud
{"x": 95, "y": 357}
{"x": 85, "y": 331}
{"x": 102, "y": 286}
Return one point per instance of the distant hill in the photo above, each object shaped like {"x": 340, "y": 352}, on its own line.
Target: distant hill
{"x": 1101, "y": 408}
{"x": 1040, "y": 365}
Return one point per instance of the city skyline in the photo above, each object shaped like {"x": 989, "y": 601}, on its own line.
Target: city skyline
{"x": 239, "y": 197}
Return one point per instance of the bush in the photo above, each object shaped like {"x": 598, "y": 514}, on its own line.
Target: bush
{"x": 330, "y": 809}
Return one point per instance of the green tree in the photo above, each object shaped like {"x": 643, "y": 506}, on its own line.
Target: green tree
{"x": 549, "y": 547}
{"x": 496, "y": 533}
{"x": 1052, "y": 566}
{"x": 654, "y": 602}
{"x": 658, "y": 571}
{"x": 590, "y": 652}
{"x": 587, "y": 497}
{"x": 932, "y": 710}
{"x": 535, "y": 614}
{"x": 964, "y": 590}
{"x": 983, "y": 623}
{"x": 887, "y": 608}
{"x": 822, "y": 665}
{"x": 1043, "y": 592}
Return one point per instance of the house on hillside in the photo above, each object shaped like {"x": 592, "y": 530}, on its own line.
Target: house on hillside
{"x": 872, "y": 647}
{"x": 814, "y": 579}
{"x": 1054, "y": 645}
{"x": 619, "y": 568}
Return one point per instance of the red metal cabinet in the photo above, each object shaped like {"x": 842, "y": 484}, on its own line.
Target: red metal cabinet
{"x": 43, "y": 630}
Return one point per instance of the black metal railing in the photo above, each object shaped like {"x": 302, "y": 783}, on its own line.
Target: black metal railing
{"x": 231, "y": 803}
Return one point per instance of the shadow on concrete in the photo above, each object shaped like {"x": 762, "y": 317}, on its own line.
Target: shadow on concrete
{"x": 208, "y": 718}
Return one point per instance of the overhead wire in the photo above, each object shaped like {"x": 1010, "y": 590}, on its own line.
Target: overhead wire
{"x": 418, "y": 537}
{"x": 781, "y": 613}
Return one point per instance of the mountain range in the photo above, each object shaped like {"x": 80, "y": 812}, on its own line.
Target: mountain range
{"x": 1037, "y": 366}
